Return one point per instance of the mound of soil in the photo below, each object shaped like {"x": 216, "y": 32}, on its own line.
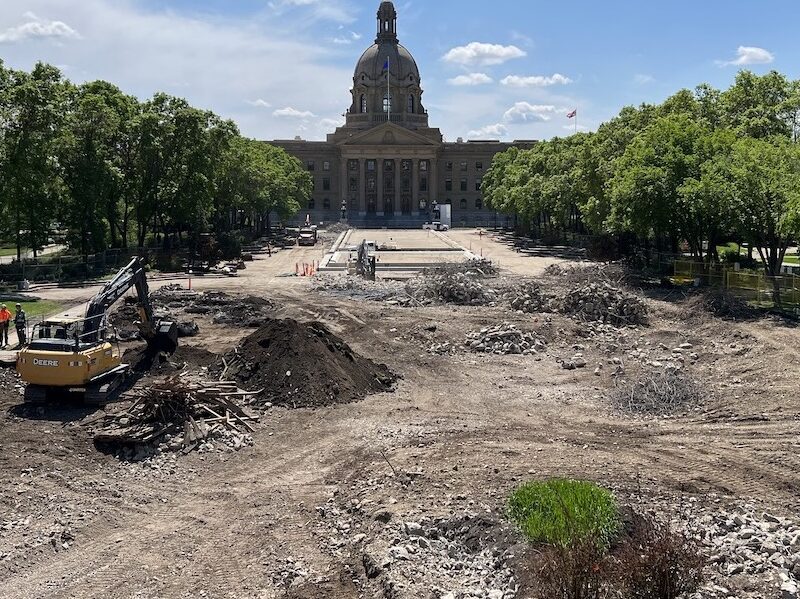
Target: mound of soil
{"x": 302, "y": 365}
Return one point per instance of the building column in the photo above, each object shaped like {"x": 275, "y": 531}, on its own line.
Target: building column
{"x": 344, "y": 187}
{"x": 379, "y": 168}
{"x": 398, "y": 176}
{"x": 415, "y": 187}
{"x": 433, "y": 184}
{"x": 362, "y": 186}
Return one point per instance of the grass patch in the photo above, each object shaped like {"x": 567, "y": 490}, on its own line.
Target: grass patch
{"x": 560, "y": 512}
{"x": 37, "y": 309}
{"x": 791, "y": 259}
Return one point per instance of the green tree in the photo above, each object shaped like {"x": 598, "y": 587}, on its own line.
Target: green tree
{"x": 35, "y": 111}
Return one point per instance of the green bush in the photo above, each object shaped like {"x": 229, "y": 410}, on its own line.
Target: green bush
{"x": 560, "y": 512}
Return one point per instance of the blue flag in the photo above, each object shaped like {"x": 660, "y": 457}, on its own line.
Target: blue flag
{"x": 386, "y": 65}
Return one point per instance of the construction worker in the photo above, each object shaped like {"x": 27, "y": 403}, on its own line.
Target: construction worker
{"x": 5, "y": 321}
{"x": 21, "y": 322}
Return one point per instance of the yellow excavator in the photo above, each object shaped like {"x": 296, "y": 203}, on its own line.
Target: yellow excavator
{"x": 76, "y": 355}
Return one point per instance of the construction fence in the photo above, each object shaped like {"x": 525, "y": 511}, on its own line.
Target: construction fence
{"x": 756, "y": 287}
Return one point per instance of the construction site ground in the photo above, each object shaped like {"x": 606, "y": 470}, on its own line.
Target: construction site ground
{"x": 305, "y": 511}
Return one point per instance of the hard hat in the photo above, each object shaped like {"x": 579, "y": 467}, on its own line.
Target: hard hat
{"x": 19, "y": 305}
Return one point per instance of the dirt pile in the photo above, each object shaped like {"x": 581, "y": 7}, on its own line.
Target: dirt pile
{"x": 147, "y": 360}
{"x": 529, "y": 298}
{"x": 300, "y": 365}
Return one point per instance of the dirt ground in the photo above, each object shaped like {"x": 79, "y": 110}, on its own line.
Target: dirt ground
{"x": 304, "y": 512}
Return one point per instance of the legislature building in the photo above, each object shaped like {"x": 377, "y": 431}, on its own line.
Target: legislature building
{"x": 386, "y": 166}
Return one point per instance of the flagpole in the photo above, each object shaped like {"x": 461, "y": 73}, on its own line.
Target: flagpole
{"x": 576, "y": 121}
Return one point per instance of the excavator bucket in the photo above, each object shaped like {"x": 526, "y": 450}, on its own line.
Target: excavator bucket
{"x": 165, "y": 337}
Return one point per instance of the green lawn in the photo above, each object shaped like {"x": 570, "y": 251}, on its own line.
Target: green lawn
{"x": 11, "y": 251}
{"x": 35, "y": 310}
{"x": 791, "y": 259}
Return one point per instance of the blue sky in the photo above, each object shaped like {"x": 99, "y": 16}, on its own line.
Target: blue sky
{"x": 503, "y": 69}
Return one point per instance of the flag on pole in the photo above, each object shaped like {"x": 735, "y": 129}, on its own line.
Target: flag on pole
{"x": 386, "y": 65}
{"x": 573, "y": 114}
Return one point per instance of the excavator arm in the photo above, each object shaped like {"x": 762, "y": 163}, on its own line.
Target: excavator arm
{"x": 162, "y": 334}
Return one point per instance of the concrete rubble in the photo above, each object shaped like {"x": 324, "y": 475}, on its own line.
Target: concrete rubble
{"x": 603, "y": 302}
{"x": 505, "y": 339}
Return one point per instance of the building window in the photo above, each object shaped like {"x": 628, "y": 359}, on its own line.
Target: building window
{"x": 463, "y": 204}
{"x": 463, "y": 167}
{"x": 448, "y": 166}
{"x": 353, "y": 184}
{"x": 370, "y": 165}
{"x": 326, "y": 204}
{"x": 326, "y": 183}
{"x": 310, "y": 165}
{"x": 423, "y": 183}
{"x": 388, "y": 166}
{"x": 477, "y": 184}
{"x": 479, "y": 166}
{"x": 410, "y": 104}
{"x": 311, "y": 204}
{"x": 363, "y": 103}
{"x": 387, "y": 103}
{"x": 448, "y": 185}
{"x": 326, "y": 166}
{"x": 405, "y": 166}
{"x": 479, "y": 204}
{"x": 423, "y": 165}
{"x": 352, "y": 165}
{"x": 463, "y": 185}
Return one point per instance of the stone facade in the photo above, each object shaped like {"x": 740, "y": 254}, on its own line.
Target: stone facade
{"x": 385, "y": 164}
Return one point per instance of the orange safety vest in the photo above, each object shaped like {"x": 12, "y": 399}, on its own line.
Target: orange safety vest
{"x": 5, "y": 316}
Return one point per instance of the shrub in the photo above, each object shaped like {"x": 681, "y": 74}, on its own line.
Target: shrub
{"x": 561, "y": 512}
{"x": 657, "y": 394}
{"x": 578, "y": 570}
{"x": 658, "y": 563}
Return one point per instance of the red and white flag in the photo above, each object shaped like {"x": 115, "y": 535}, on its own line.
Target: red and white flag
{"x": 572, "y": 114}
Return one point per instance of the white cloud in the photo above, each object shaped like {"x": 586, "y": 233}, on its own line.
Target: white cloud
{"x": 259, "y": 103}
{"x": 329, "y": 125}
{"x": 523, "y": 112}
{"x": 496, "y": 130}
{"x": 642, "y": 79}
{"x": 746, "y": 55}
{"x": 478, "y": 53}
{"x": 471, "y": 79}
{"x": 338, "y": 11}
{"x": 38, "y": 29}
{"x": 536, "y": 80}
{"x": 293, "y": 113}
{"x": 347, "y": 39}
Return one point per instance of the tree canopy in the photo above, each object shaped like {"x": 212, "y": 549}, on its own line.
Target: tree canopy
{"x": 704, "y": 166}
{"x": 110, "y": 170}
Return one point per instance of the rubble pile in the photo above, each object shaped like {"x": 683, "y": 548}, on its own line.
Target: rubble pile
{"x": 391, "y": 292}
{"x": 449, "y": 287}
{"x": 504, "y": 339}
{"x": 603, "y": 302}
{"x": 661, "y": 393}
{"x": 223, "y": 308}
{"x": 529, "y": 298}
{"x": 720, "y": 302}
{"x": 179, "y": 413}
{"x": 299, "y": 365}
{"x": 746, "y": 544}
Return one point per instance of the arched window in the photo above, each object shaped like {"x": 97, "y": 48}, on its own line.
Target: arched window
{"x": 363, "y": 103}
{"x": 387, "y": 103}
{"x": 463, "y": 204}
{"x": 410, "y": 104}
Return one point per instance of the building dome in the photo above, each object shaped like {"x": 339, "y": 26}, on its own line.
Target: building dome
{"x": 402, "y": 66}
{"x": 382, "y": 94}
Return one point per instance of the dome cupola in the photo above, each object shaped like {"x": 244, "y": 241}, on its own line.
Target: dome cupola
{"x": 386, "y": 82}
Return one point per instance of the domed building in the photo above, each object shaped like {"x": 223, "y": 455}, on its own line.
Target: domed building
{"x": 386, "y": 167}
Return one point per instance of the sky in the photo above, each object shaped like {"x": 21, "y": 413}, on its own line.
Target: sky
{"x": 503, "y": 69}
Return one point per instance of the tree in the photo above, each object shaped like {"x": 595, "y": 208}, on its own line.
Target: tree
{"x": 765, "y": 187}
{"x": 35, "y": 104}
{"x": 761, "y": 106}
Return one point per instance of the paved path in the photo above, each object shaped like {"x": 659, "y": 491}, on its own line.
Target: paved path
{"x": 47, "y": 250}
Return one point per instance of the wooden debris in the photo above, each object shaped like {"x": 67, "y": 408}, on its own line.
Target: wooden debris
{"x": 180, "y": 405}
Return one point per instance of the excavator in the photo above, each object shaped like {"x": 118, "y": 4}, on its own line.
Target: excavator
{"x": 76, "y": 355}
